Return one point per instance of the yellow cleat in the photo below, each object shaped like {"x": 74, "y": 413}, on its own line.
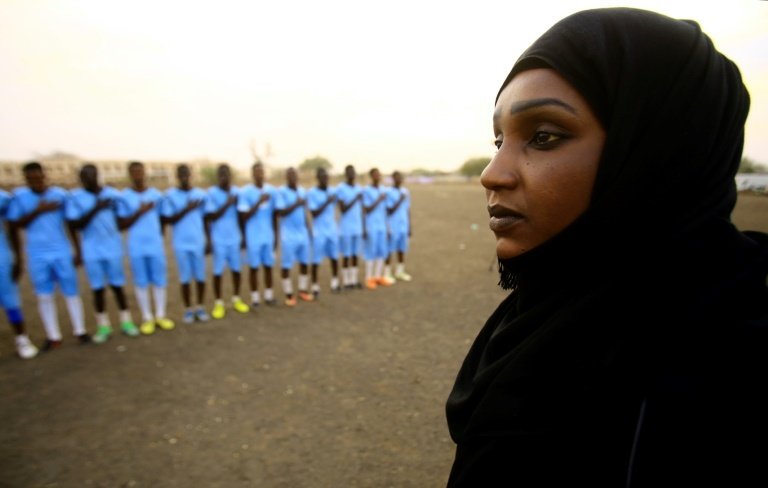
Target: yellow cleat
{"x": 218, "y": 311}
{"x": 239, "y": 305}
{"x": 148, "y": 327}
{"x": 165, "y": 324}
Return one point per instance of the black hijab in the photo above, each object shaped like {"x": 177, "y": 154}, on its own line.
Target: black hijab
{"x": 605, "y": 308}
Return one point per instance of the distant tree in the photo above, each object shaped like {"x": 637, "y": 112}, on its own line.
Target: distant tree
{"x": 750, "y": 166}
{"x": 312, "y": 164}
{"x": 474, "y": 166}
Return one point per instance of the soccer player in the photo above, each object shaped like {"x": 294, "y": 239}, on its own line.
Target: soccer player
{"x": 294, "y": 236}
{"x": 399, "y": 219}
{"x": 325, "y": 234}
{"x": 375, "y": 232}
{"x": 349, "y": 196}
{"x": 183, "y": 208}
{"x": 226, "y": 238}
{"x": 9, "y": 291}
{"x": 256, "y": 205}
{"x": 39, "y": 209}
{"x": 91, "y": 211}
{"x": 138, "y": 210}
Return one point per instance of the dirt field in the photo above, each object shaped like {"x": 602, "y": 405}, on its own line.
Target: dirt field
{"x": 346, "y": 392}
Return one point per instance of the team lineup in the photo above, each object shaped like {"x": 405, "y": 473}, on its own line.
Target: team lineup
{"x": 252, "y": 221}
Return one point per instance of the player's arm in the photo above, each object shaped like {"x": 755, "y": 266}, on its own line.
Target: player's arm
{"x": 276, "y": 230}
{"x": 13, "y": 236}
{"x": 43, "y": 207}
{"x": 173, "y": 218}
{"x": 393, "y": 209}
{"x": 82, "y": 222}
{"x": 78, "y": 257}
{"x": 321, "y": 208}
{"x": 213, "y": 216}
{"x": 298, "y": 203}
{"x": 375, "y": 204}
{"x": 126, "y": 222}
{"x": 345, "y": 208}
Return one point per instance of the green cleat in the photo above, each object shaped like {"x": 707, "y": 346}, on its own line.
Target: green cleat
{"x": 102, "y": 334}
{"x": 129, "y": 329}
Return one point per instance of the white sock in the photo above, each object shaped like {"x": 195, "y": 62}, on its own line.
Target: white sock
{"x": 303, "y": 282}
{"x": 125, "y": 316}
{"x": 160, "y": 301}
{"x": 387, "y": 270}
{"x": 235, "y": 298}
{"x": 369, "y": 270}
{"x": 354, "y": 275}
{"x": 334, "y": 283}
{"x": 287, "y": 286}
{"x": 400, "y": 268}
{"x": 219, "y": 302}
{"x": 255, "y": 297}
{"x": 269, "y": 294}
{"x": 75, "y": 309}
{"x": 315, "y": 287}
{"x": 142, "y": 297}
{"x": 346, "y": 276}
{"x": 379, "y": 268}
{"x": 102, "y": 319}
{"x": 47, "y": 308}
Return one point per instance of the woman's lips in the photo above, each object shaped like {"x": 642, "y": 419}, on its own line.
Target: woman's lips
{"x": 502, "y": 218}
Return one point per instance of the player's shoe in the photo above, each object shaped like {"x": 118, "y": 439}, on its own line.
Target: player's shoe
{"x": 165, "y": 323}
{"x": 102, "y": 334}
{"x": 218, "y": 311}
{"x": 403, "y": 276}
{"x": 271, "y": 302}
{"x": 24, "y": 347}
{"x": 371, "y": 283}
{"x": 129, "y": 329}
{"x": 84, "y": 338}
{"x": 290, "y": 302}
{"x": 239, "y": 305}
{"x": 188, "y": 317}
{"x": 385, "y": 281}
{"x": 148, "y": 327}
{"x": 50, "y": 345}
{"x": 306, "y": 296}
{"x": 202, "y": 315}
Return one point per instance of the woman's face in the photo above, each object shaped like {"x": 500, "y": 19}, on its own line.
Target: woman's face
{"x": 549, "y": 144}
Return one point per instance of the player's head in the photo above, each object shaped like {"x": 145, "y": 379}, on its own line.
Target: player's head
{"x": 397, "y": 178}
{"x": 35, "y": 176}
{"x": 224, "y": 175}
{"x": 375, "y": 176}
{"x": 89, "y": 176}
{"x": 136, "y": 173}
{"x": 349, "y": 173}
{"x": 291, "y": 177}
{"x": 322, "y": 177}
{"x": 257, "y": 172}
{"x": 183, "y": 174}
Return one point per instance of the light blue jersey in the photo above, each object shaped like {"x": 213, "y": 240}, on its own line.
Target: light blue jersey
{"x": 9, "y": 292}
{"x": 189, "y": 231}
{"x": 351, "y": 221}
{"x": 100, "y": 238}
{"x": 145, "y": 236}
{"x": 376, "y": 219}
{"x": 225, "y": 231}
{"x": 324, "y": 225}
{"x": 293, "y": 227}
{"x": 45, "y": 236}
{"x": 259, "y": 228}
{"x": 5, "y": 251}
{"x": 398, "y": 221}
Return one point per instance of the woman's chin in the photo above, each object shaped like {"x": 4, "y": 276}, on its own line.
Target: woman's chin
{"x": 508, "y": 249}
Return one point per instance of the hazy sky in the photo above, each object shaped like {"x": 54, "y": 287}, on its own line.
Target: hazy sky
{"x": 396, "y": 84}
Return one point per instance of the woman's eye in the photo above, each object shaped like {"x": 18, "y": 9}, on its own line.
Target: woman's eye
{"x": 497, "y": 143}
{"x": 544, "y": 139}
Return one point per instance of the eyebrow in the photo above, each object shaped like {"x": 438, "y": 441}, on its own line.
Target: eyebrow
{"x": 518, "y": 107}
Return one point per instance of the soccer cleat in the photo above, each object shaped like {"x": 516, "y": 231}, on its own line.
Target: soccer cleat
{"x": 316, "y": 295}
{"x": 24, "y": 347}
{"x": 188, "y": 317}
{"x": 202, "y": 315}
{"x": 271, "y": 303}
{"x": 102, "y": 334}
{"x": 370, "y": 283}
{"x": 254, "y": 304}
{"x": 129, "y": 329}
{"x": 218, "y": 311}
{"x": 385, "y": 281}
{"x": 165, "y": 323}
{"x": 50, "y": 345}
{"x": 84, "y": 338}
{"x": 290, "y": 302}
{"x": 403, "y": 276}
{"x": 240, "y": 306}
{"x": 306, "y": 296}
{"x": 148, "y": 327}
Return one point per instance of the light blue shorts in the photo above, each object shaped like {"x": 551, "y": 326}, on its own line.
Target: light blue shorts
{"x": 226, "y": 255}
{"x": 325, "y": 247}
{"x": 149, "y": 270}
{"x": 376, "y": 245}
{"x": 99, "y": 269}
{"x": 351, "y": 245}
{"x": 398, "y": 242}
{"x": 9, "y": 292}
{"x": 261, "y": 254}
{"x": 292, "y": 251}
{"x": 189, "y": 264}
{"x": 46, "y": 272}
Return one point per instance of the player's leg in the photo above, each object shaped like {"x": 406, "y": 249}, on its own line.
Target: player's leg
{"x": 288, "y": 253}
{"x": 254, "y": 262}
{"x": 219, "y": 262}
{"x": 357, "y": 250}
{"x": 95, "y": 270}
{"x": 369, "y": 255}
{"x": 159, "y": 278}
{"x": 11, "y": 303}
{"x": 382, "y": 251}
{"x": 66, "y": 275}
{"x": 267, "y": 262}
{"x": 198, "y": 272}
{"x": 401, "y": 246}
{"x": 235, "y": 263}
{"x": 140, "y": 273}
{"x": 303, "y": 256}
{"x": 344, "y": 244}
{"x": 332, "y": 251}
{"x": 184, "y": 266}
{"x": 317, "y": 257}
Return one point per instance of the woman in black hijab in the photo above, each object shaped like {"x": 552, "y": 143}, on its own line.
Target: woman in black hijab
{"x": 632, "y": 350}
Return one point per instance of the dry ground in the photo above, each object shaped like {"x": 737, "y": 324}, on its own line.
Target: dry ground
{"x": 346, "y": 392}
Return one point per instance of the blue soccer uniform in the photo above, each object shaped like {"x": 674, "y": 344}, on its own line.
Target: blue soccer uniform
{"x": 375, "y": 223}
{"x": 294, "y": 236}
{"x": 325, "y": 233}
{"x": 399, "y": 220}
{"x": 188, "y": 232}
{"x": 225, "y": 231}
{"x": 351, "y": 221}
{"x": 259, "y": 228}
